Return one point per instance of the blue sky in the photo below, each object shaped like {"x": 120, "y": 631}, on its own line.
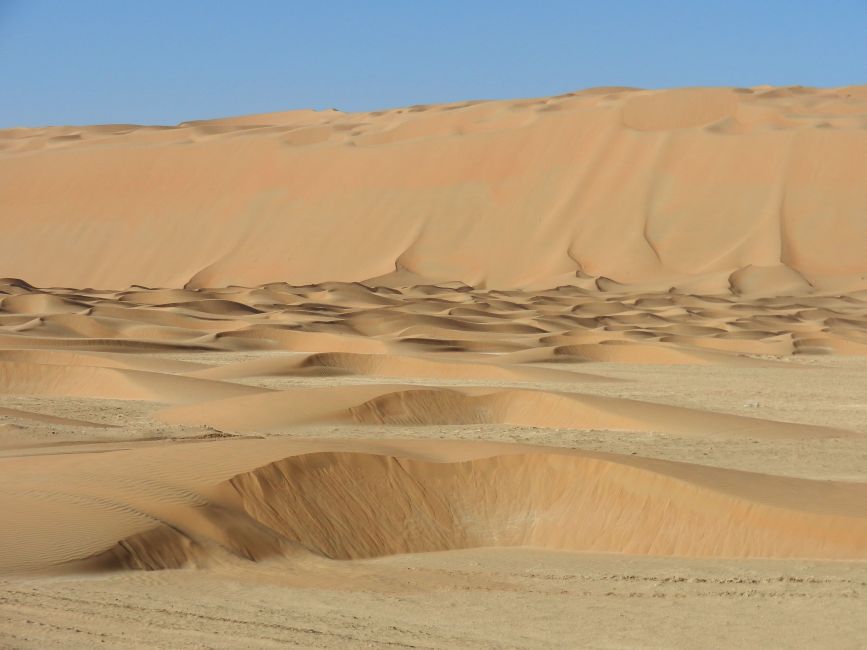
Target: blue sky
{"x": 98, "y": 61}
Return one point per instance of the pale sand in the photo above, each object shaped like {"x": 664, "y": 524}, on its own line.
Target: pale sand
{"x": 411, "y": 439}
{"x": 759, "y": 189}
{"x": 334, "y": 466}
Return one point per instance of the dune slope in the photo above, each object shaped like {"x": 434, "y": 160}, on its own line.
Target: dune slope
{"x": 151, "y": 508}
{"x": 755, "y": 190}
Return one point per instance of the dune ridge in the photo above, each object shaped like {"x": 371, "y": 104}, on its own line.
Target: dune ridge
{"x": 343, "y": 500}
{"x": 755, "y": 191}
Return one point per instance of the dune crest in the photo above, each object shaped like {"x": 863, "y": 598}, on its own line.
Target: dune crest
{"x": 664, "y": 187}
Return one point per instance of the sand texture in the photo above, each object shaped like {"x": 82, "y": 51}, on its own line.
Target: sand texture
{"x": 341, "y": 453}
{"x": 759, "y": 189}
{"x": 584, "y": 371}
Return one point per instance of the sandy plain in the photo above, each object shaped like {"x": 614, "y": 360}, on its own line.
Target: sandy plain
{"x": 581, "y": 371}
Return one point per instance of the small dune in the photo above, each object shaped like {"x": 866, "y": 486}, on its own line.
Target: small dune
{"x": 395, "y": 405}
{"x": 381, "y": 365}
{"x": 386, "y": 327}
{"x": 21, "y": 378}
{"x": 362, "y": 500}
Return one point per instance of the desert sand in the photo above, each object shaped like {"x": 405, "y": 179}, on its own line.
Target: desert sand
{"x": 758, "y": 189}
{"x": 581, "y": 371}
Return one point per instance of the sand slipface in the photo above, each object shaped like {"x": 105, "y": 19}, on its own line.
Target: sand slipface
{"x": 758, "y": 189}
{"x": 557, "y": 364}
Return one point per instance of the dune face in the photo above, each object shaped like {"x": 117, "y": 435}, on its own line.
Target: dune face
{"x": 758, "y": 190}
{"x": 356, "y": 506}
{"x": 360, "y": 504}
{"x": 538, "y": 373}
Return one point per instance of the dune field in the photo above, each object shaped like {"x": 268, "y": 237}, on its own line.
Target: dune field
{"x": 579, "y": 371}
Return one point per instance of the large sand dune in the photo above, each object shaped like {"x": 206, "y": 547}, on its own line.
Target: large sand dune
{"x": 493, "y": 374}
{"x": 757, "y": 190}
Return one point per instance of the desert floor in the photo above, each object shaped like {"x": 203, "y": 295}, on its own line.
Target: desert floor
{"x": 435, "y": 467}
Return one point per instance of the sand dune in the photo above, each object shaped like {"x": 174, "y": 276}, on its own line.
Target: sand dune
{"x": 379, "y": 324}
{"x": 757, "y": 190}
{"x": 91, "y": 381}
{"x": 379, "y": 365}
{"x": 362, "y": 499}
{"x": 417, "y": 506}
{"x": 396, "y": 405}
{"x": 290, "y": 349}
{"x": 99, "y": 360}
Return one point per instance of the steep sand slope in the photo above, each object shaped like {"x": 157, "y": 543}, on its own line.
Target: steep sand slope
{"x": 761, "y": 191}
{"x": 153, "y": 507}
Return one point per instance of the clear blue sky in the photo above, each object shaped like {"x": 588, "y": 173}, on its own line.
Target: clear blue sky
{"x": 156, "y": 61}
